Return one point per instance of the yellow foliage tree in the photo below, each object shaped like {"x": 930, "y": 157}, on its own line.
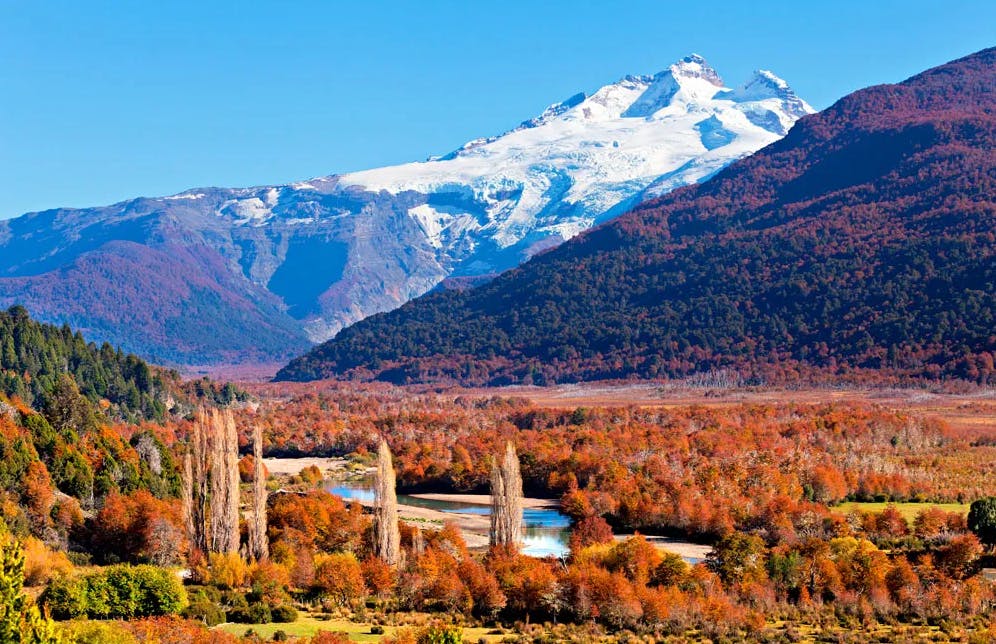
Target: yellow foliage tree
{"x": 20, "y": 620}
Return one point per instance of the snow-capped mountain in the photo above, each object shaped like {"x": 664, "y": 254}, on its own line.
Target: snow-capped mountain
{"x": 216, "y": 275}
{"x": 579, "y": 161}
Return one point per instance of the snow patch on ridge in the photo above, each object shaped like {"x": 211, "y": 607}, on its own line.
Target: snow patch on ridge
{"x": 185, "y": 195}
{"x": 252, "y": 211}
{"x": 432, "y": 221}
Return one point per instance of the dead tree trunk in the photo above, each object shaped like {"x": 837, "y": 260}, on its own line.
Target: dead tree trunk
{"x": 506, "y": 501}
{"x": 259, "y": 547}
{"x": 388, "y": 545}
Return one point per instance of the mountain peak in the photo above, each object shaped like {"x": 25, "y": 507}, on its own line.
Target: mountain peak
{"x": 685, "y": 75}
{"x": 695, "y": 66}
{"x": 297, "y": 263}
{"x": 764, "y": 85}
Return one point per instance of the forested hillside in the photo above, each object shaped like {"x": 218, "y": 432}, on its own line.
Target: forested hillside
{"x": 37, "y": 361}
{"x": 34, "y": 356}
{"x": 864, "y": 240}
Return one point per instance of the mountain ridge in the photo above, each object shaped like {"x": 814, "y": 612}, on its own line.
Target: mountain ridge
{"x": 217, "y": 275}
{"x": 862, "y": 240}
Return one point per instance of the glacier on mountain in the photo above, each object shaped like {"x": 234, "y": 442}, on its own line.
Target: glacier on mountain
{"x": 496, "y": 201}
{"x": 312, "y": 257}
{"x": 609, "y": 147}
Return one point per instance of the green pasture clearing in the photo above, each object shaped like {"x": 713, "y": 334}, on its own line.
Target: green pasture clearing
{"x": 308, "y": 625}
{"x": 908, "y": 510}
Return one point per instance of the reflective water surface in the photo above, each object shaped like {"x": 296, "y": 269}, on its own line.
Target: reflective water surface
{"x": 547, "y": 530}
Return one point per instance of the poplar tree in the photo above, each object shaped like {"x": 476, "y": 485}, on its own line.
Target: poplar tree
{"x": 506, "y": 501}
{"x": 224, "y": 483}
{"x": 187, "y": 499}
{"x": 388, "y": 545}
{"x": 259, "y": 547}
{"x": 195, "y": 470}
{"x": 211, "y": 483}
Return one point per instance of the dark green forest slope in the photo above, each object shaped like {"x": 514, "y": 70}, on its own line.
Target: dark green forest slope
{"x": 33, "y": 356}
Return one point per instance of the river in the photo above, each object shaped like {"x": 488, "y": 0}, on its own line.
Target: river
{"x": 546, "y": 530}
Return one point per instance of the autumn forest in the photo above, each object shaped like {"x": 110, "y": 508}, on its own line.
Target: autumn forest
{"x": 819, "y": 515}
{"x": 756, "y": 408}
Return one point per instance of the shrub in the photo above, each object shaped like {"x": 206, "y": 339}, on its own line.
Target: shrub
{"x": 238, "y": 610}
{"x": 66, "y": 598}
{"x": 440, "y": 634}
{"x": 42, "y": 564}
{"x": 87, "y": 632}
{"x": 228, "y": 570}
{"x": 259, "y": 613}
{"x": 256, "y": 613}
{"x": 311, "y": 475}
{"x": 203, "y": 609}
{"x": 284, "y": 614}
{"x": 118, "y": 592}
{"x": 174, "y": 629}
{"x": 270, "y": 580}
{"x": 79, "y": 558}
{"x": 328, "y": 637}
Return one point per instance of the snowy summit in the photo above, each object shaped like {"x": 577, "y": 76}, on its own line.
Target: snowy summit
{"x": 590, "y": 157}
{"x": 304, "y": 260}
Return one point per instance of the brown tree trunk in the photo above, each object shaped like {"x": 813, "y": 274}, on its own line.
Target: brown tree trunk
{"x": 388, "y": 544}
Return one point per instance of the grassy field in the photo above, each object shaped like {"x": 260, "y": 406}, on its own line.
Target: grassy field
{"x": 308, "y": 625}
{"x": 908, "y": 510}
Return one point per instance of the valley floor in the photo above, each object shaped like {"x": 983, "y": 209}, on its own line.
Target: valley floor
{"x": 968, "y": 411}
{"x": 474, "y": 527}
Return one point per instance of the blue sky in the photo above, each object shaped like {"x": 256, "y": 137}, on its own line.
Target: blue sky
{"x": 102, "y": 101}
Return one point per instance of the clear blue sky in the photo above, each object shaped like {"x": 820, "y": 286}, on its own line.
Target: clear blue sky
{"x": 102, "y": 101}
